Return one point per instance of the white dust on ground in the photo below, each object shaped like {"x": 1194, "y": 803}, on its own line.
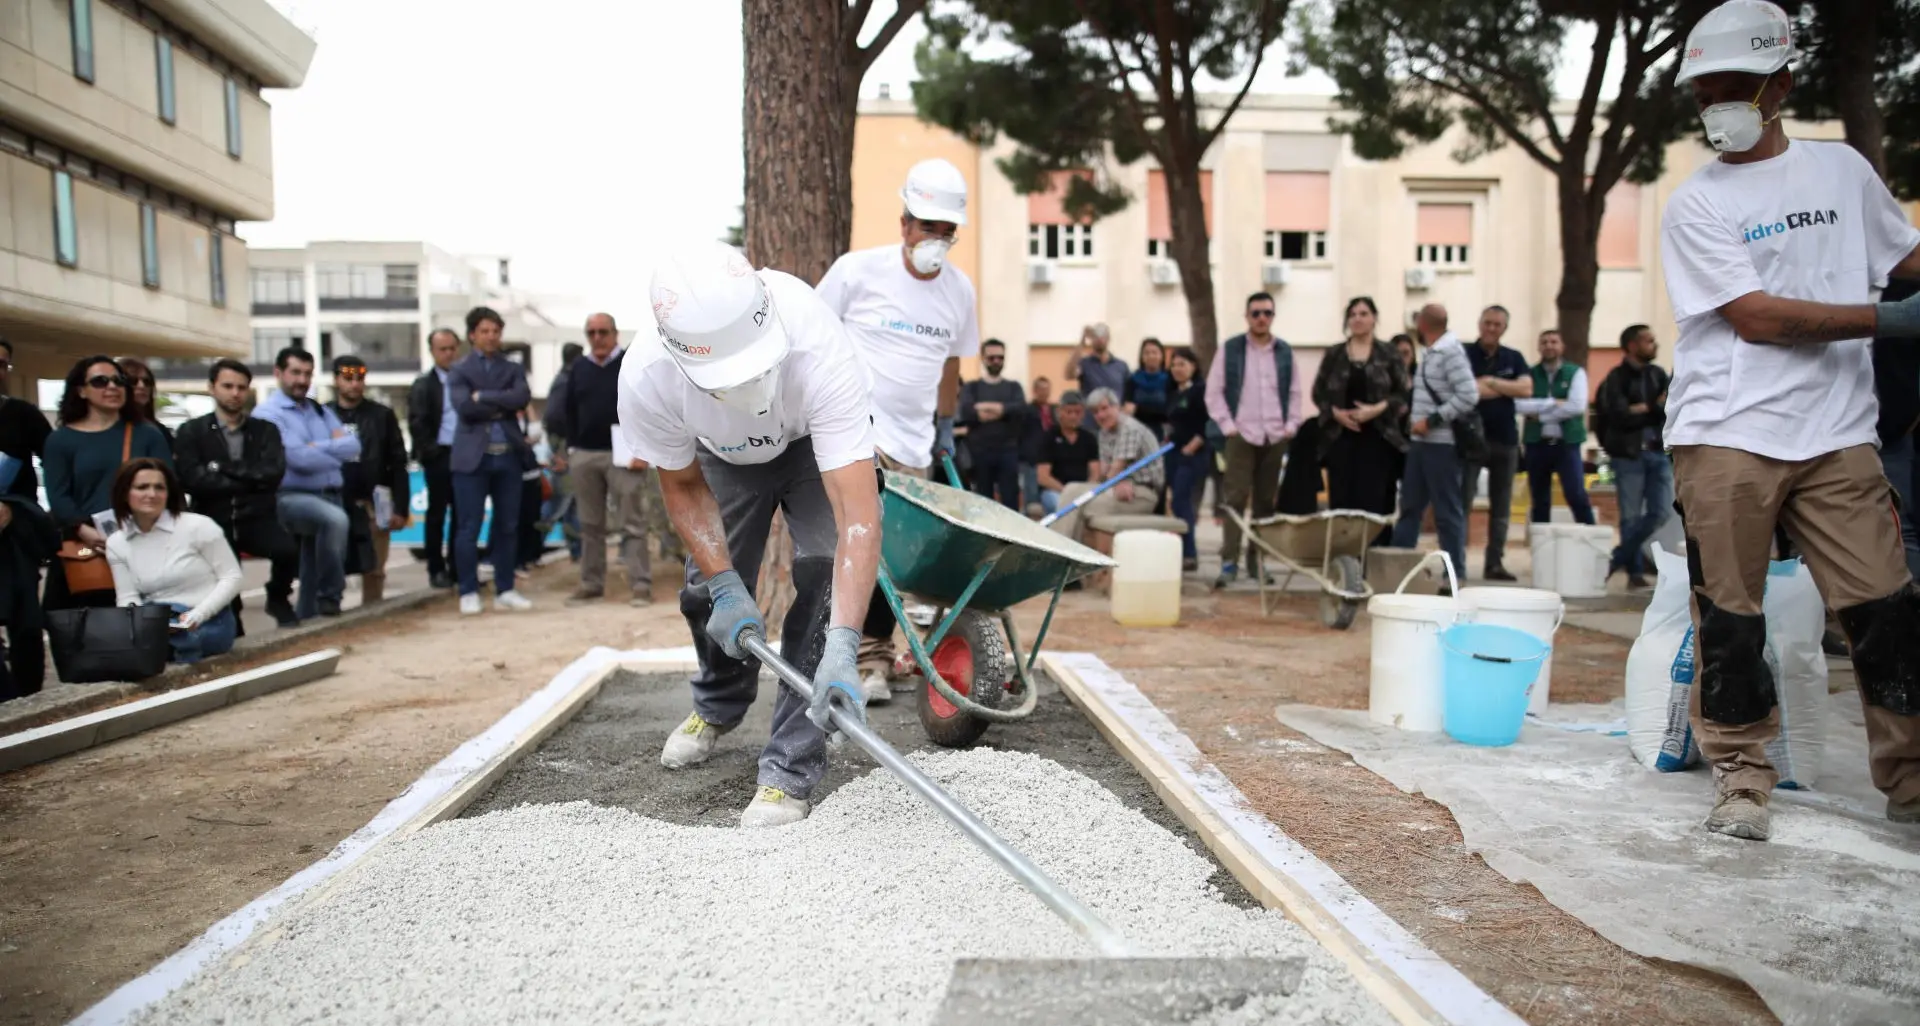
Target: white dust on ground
{"x": 579, "y": 913}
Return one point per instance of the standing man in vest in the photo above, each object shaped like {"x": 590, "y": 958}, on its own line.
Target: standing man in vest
{"x": 1255, "y": 398}
{"x": 1775, "y": 255}
{"x": 753, "y": 401}
{"x": 589, "y": 415}
{"x": 1502, "y": 376}
{"x": 1556, "y": 428}
{"x": 911, "y": 319}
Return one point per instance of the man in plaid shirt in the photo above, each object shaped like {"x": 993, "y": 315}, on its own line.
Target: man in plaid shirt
{"x": 1123, "y": 440}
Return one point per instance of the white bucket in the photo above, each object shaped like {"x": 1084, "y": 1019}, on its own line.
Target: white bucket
{"x": 1405, "y": 689}
{"x": 1531, "y": 610}
{"x": 1582, "y": 553}
{"x": 1542, "y": 543}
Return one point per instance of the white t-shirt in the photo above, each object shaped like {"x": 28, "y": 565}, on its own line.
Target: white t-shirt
{"x": 822, "y": 395}
{"x": 904, "y": 329}
{"x": 1814, "y": 223}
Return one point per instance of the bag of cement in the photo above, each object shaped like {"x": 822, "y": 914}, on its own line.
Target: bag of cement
{"x": 1660, "y": 672}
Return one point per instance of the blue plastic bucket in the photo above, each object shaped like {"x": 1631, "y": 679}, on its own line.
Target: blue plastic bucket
{"x": 1488, "y": 672}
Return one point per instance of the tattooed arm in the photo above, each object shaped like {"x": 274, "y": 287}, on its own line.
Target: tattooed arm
{"x": 1771, "y": 320}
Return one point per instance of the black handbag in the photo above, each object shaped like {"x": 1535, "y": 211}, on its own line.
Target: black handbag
{"x": 1469, "y": 432}
{"x": 124, "y": 643}
{"x": 361, "y": 556}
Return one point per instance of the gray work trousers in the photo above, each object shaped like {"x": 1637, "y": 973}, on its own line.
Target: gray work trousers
{"x": 795, "y": 757}
{"x": 596, "y": 481}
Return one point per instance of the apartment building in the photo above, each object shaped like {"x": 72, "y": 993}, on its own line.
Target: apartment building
{"x": 1291, "y": 210}
{"x": 133, "y": 134}
{"x": 381, "y": 301}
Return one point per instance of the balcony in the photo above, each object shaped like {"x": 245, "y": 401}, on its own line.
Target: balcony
{"x": 335, "y": 303}
{"x": 280, "y": 309}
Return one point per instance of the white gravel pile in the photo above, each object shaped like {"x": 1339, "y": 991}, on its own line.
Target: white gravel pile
{"x": 577, "y": 914}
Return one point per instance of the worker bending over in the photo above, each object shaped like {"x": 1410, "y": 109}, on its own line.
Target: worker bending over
{"x": 752, "y": 402}
{"x": 911, "y": 319}
{"x": 1774, "y": 255}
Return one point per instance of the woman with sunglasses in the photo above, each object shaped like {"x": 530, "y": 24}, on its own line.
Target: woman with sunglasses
{"x": 142, "y": 393}
{"x": 99, "y": 430}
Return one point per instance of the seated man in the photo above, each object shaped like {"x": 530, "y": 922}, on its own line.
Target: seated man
{"x": 1123, "y": 441}
{"x": 1067, "y": 454}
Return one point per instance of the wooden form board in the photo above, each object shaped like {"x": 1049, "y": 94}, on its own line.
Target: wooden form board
{"x": 1413, "y": 983}
{"x": 441, "y": 793}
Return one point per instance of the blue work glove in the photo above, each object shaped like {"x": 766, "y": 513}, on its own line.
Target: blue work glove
{"x": 837, "y": 674}
{"x": 734, "y": 611}
{"x": 1899, "y": 320}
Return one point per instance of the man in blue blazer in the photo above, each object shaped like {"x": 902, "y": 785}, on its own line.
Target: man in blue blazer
{"x": 489, "y": 458}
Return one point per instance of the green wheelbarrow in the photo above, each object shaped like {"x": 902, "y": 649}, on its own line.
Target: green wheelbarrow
{"x": 975, "y": 560}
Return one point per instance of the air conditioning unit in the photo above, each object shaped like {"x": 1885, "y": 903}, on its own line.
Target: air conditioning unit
{"x": 1039, "y": 272}
{"x": 1163, "y": 272}
{"x": 1275, "y": 273}
{"x": 1420, "y": 277}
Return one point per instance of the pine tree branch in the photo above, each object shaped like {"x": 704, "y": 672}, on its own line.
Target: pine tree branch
{"x": 1507, "y": 125}
{"x": 864, "y": 56}
{"x": 1259, "y": 54}
{"x": 856, "y": 19}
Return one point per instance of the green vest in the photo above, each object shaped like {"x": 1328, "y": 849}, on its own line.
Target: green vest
{"x": 1572, "y": 431}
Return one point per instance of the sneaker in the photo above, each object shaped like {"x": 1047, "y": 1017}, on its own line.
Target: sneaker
{"x": 874, "y": 683}
{"x": 512, "y": 602}
{"x": 1904, "y": 812}
{"x": 470, "y": 604}
{"x": 1228, "y": 572}
{"x": 1741, "y": 812}
{"x": 1498, "y": 573}
{"x": 582, "y": 597}
{"x": 691, "y": 743}
{"x": 772, "y": 807}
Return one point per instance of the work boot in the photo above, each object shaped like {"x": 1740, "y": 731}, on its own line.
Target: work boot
{"x": 582, "y": 597}
{"x": 874, "y": 683}
{"x": 691, "y": 743}
{"x": 772, "y": 807}
{"x": 1904, "y": 812}
{"x": 282, "y": 612}
{"x": 1741, "y": 812}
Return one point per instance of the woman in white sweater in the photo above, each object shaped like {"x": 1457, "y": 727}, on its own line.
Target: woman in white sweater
{"x": 163, "y": 554}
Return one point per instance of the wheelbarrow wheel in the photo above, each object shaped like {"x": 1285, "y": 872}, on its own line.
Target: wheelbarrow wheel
{"x": 972, "y": 659}
{"x": 1344, "y": 573}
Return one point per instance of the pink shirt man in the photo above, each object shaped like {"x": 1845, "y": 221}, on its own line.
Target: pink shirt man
{"x": 1261, "y": 421}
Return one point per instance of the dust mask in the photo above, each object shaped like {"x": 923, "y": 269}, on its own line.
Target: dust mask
{"x": 929, "y": 255}
{"x": 1734, "y": 127}
{"x": 754, "y": 397}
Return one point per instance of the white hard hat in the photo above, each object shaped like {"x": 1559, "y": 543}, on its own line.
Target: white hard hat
{"x": 1750, "y": 36}
{"x": 716, "y": 317}
{"x": 936, "y": 191}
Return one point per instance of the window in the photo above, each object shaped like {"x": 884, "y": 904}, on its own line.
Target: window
{"x": 280, "y": 287}
{"x": 1296, "y": 245}
{"x": 233, "y": 118}
{"x": 368, "y": 286}
{"x": 1060, "y": 241}
{"x": 1618, "y": 245}
{"x": 267, "y": 342}
{"x": 217, "y": 267}
{"x": 163, "y": 65}
{"x": 1160, "y": 216}
{"x": 82, "y": 25}
{"x": 1299, "y": 210}
{"x": 1445, "y": 234}
{"x": 382, "y": 346}
{"x": 149, "y": 247}
{"x": 66, "y": 234}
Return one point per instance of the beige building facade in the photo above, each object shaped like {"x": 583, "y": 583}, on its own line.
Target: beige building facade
{"x": 1294, "y": 212}
{"x": 133, "y": 135}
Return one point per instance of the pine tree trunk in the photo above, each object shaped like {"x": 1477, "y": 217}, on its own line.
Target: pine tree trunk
{"x": 1187, "y": 217}
{"x": 1857, "y": 40}
{"x": 1579, "y": 264}
{"x": 802, "y": 95}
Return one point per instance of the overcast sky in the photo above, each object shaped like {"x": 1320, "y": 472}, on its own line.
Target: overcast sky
{"x": 571, "y": 135}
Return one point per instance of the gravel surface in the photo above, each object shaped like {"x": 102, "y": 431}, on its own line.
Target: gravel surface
{"x": 581, "y": 913}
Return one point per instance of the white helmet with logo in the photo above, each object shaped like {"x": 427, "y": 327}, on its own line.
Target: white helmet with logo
{"x": 718, "y": 323}
{"x": 1750, "y": 36}
{"x": 936, "y": 191}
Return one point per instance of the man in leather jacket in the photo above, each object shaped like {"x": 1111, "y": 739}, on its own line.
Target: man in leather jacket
{"x": 382, "y": 464}
{"x": 230, "y": 465}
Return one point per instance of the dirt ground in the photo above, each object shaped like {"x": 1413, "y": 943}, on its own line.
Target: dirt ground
{"x": 1404, "y": 852}
{"x": 113, "y": 859}
{"x": 609, "y": 754}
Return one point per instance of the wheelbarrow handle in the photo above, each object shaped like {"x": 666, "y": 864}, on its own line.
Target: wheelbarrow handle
{"x": 1083, "y": 919}
{"x": 1087, "y": 497}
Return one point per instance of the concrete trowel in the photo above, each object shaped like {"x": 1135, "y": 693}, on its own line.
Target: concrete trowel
{"x": 1116, "y": 988}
